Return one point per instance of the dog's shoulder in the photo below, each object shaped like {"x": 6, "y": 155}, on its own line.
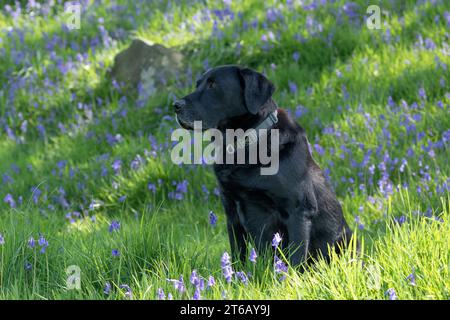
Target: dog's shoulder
{"x": 289, "y": 128}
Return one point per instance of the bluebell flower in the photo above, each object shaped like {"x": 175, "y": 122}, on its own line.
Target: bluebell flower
{"x": 400, "y": 220}
{"x": 320, "y": 150}
{"x": 280, "y": 267}
{"x": 31, "y": 243}
{"x": 117, "y": 165}
{"x": 151, "y": 187}
{"x": 253, "y": 255}
{"x": 178, "y": 284}
{"x": 412, "y": 279}
{"x": 107, "y": 288}
{"x": 276, "y": 240}
{"x": 300, "y": 111}
{"x": 2, "y": 239}
{"x": 422, "y": 93}
{"x": 212, "y": 219}
{"x": 115, "y": 252}
{"x": 161, "y": 295}
{"x": 194, "y": 278}
{"x": 128, "y": 292}
{"x": 9, "y": 199}
{"x": 227, "y": 270}
{"x": 43, "y": 243}
{"x": 211, "y": 282}
{"x": 391, "y": 294}
{"x": 182, "y": 186}
{"x": 359, "y": 222}
{"x": 293, "y": 87}
{"x": 115, "y": 225}
{"x": 242, "y": 277}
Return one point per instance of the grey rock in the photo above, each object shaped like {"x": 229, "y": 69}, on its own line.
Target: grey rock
{"x": 151, "y": 65}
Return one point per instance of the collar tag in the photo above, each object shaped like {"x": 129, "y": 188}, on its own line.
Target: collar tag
{"x": 252, "y": 138}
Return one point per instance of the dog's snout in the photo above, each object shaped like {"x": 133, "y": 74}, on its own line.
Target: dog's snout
{"x": 179, "y": 104}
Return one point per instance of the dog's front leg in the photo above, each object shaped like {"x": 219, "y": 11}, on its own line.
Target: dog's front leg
{"x": 238, "y": 243}
{"x": 299, "y": 231}
{"x": 236, "y": 232}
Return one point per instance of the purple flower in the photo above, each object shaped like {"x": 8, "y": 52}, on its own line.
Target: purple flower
{"x": 178, "y": 284}
{"x": 226, "y": 267}
{"x": 351, "y": 9}
{"x": 182, "y": 187}
{"x": 429, "y": 44}
{"x": 196, "y": 294}
{"x": 128, "y": 292}
{"x": 31, "y": 243}
{"x": 180, "y": 190}
{"x": 2, "y": 239}
{"x": 205, "y": 191}
{"x": 117, "y": 165}
{"x": 412, "y": 279}
{"x": 212, "y": 219}
{"x": 10, "y": 200}
{"x": 28, "y": 266}
{"x": 211, "y": 282}
{"x": 41, "y": 130}
{"x": 242, "y": 277}
{"x": 36, "y": 194}
{"x": 276, "y": 240}
{"x": 422, "y": 93}
{"x": 194, "y": 278}
{"x": 115, "y": 225}
{"x": 293, "y": 87}
{"x": 300, "y": 111}
{"x": 296, "y": 56}
{"x": 391, "y": 293}
{"x": 151, "y": 187}
{"x": 253, "y": 255}
{"x": 280, "y": 267}
{"x": 400, "y": 220}
{"x": 137, "y": 162}
{"x": 161, "y": 295}
{"x": 95, "y": 204}
{"x": 43, "y": 243}
{"x": 115, "y": 252}
{"x": 359, "y": 222}
{"x": 273, "y": 14}
{"x": 175, "y": 195}
{"x": 107, "y": 288}
{"x": 319, "y": 149}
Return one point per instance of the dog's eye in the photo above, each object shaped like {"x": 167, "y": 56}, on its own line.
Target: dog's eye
{"x": 210, "y": 84}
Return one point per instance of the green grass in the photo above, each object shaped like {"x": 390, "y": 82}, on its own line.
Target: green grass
{"x": 353, "y": 82}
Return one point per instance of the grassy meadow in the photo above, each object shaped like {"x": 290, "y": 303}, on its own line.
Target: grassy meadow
{"x": 86, "y": 178}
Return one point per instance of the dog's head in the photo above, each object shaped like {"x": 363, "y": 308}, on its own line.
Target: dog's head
{"x": 223, "y": 93}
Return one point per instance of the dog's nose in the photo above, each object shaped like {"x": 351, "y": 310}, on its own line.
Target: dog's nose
{"x": 179, "y": 104}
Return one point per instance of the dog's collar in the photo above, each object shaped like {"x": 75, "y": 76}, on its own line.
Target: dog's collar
{"x": 251, "y": 138}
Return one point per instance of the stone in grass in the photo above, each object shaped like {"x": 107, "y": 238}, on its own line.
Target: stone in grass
{"x": 147, "y": 64}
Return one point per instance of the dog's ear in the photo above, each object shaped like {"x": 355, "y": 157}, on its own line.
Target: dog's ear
{"x": 257, "y": 89}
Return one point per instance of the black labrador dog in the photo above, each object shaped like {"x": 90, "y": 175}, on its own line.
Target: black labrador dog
{"x": 297, "y": 201}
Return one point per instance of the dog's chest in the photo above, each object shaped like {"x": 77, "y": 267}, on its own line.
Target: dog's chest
{"x": 259, "y": 200}
{"x": 249, "y": 181}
